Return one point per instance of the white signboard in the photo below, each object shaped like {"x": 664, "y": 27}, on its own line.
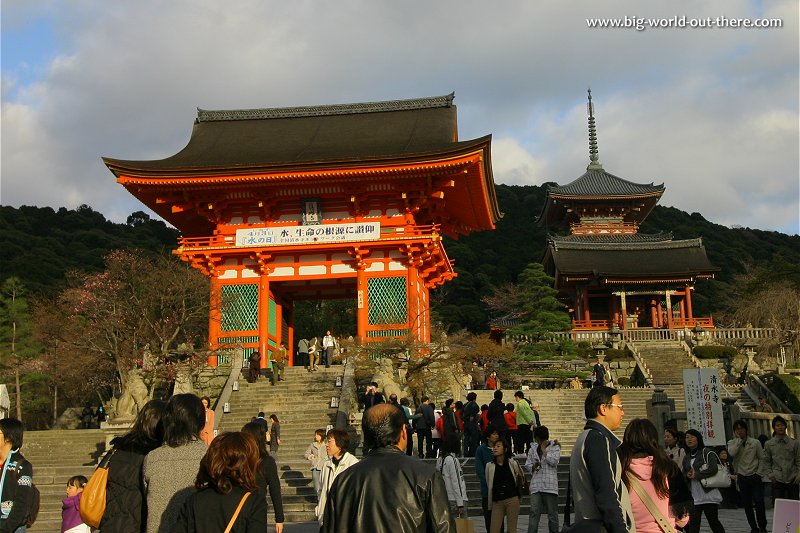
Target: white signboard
{"x": 703, "y": 393}
{"x": 321, "y": 233}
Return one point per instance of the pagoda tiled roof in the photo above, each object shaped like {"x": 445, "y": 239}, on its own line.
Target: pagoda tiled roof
{"x": 599, "y": 183}
{"x": 616, "y": 239}
{"x": 641, "y": 260}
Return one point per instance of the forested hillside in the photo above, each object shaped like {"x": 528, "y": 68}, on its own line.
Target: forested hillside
{"x": 40, "y": 245}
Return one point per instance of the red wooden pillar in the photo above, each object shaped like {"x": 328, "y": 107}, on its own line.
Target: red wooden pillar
{"x": 655, "y": 318}
{"x": 263, "y": 320}
{"x": 362, "y": 294}
{"x": 290, "y": 340}
{"x": 689, "y": 313}
{"x": 668, "y": 304}
{"x": 587, "y": 315}
{"x": 214, "y": 320}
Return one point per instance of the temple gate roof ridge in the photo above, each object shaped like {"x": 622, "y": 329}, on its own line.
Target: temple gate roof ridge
{"x": 206, "y": 115}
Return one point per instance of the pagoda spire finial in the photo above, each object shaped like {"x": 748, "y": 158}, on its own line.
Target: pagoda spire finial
{"x": 594, "y": 162}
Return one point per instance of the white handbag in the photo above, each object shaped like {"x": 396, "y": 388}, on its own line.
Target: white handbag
{"x": 720, "y": 480}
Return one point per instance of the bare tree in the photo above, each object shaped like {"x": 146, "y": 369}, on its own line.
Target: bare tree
{"x": 136, "y": 314}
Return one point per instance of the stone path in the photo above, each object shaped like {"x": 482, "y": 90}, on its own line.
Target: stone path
{"x": 733, "y": 520}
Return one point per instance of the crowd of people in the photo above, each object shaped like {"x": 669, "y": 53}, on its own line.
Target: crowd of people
{"x": 166, "y": 475}
{"x": 647, "y": 482}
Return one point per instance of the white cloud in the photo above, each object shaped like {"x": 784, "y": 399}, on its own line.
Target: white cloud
{"x": 711, "y": 113}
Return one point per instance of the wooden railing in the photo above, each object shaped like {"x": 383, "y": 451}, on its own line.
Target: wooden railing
{"x": 741, "y": 333}
{"x": 590, "y": 324}
{"x": 597, "y": 334}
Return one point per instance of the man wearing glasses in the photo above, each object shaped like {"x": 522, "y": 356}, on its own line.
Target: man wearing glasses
{"x": 600, "y": 496}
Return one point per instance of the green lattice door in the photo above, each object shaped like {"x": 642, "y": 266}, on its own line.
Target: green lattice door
{"x": 387, "y": 304}
{"x": 240, "y": 307}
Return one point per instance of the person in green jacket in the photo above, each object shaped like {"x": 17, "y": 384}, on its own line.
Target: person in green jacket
{"x": 525, "y": 421}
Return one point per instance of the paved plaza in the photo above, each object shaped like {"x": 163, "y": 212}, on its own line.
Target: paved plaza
{"x": 733, "y": 520}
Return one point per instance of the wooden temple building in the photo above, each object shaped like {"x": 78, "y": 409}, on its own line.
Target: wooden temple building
{"x": 332, "y": 201}
{"x": 606, "y": 272}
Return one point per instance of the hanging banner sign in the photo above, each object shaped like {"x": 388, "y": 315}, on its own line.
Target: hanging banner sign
{"x": 283, "y": 235}
{"x": 703, "y": 394}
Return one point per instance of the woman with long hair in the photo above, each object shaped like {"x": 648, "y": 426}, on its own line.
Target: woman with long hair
{"x": 207, "y": 433}
{"x": 125, "y": 502}
{"x": 649, "y": 474}
{"x": 339, "y": 459}
{"x": 226, "y": 490}
{"x": 698, "y": 464}
{"x": 267, "y": 472}
{"x": 450, "y": 468}
{"x": 169, "y": 470}
{"x": 504, "y": 477}
{"x": 274, "y": 435}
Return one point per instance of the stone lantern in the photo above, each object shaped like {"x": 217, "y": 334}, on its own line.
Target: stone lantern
{"x": 600, "y": 351}
{"x": 750, "y": 350}
{"x": 698, "y": 334}
{"x": 615, "y": 335}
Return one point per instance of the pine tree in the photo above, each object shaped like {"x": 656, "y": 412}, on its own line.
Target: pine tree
{"x": 17, "y": 342}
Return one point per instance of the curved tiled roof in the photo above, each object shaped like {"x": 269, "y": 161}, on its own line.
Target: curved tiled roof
{"x": 635, "y": 260}
{"x": 250, "y": 140}
{"x": 595, "y": 183}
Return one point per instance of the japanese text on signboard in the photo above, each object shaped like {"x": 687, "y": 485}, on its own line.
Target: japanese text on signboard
{"x": 283, "y": 235}
{"x": 703, "y": 394}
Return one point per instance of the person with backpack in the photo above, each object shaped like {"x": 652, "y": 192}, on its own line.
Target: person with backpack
{"x": 16, "y": 483}
{"x": 447, "y": 464}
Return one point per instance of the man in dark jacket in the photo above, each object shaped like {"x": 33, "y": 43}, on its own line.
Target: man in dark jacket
{"x": 17, "y": 489}
{"x": 471, "y": 416}
{"x": 387, "y": 490}
{"x": 496, "y": 415}
{"x": 424, "y": 421}
{"x": 450, "y": 424}
{"x": 600, "y": 496}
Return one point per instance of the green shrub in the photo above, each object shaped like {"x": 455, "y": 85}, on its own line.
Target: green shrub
{"x": 714, "y": 352}
{"x": 624, "y": 381}
{"x": 787, "y": 388}
{"x": 617, "y": 355}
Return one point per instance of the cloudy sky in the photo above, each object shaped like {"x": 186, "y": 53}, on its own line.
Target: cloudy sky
{"x": 710, "y": 112}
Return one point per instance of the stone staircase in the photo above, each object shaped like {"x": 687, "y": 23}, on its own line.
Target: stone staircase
{"x": 56, "y": 456}
{"x": 302, "y": 405}
{"x": 665, "y": 360}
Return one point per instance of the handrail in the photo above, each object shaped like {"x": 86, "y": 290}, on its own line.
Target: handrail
{"x": 236, "y": 369}
{"x": 347, "y": 396}
{"x": 643, "y": 368}
{"x": 692, "y": 356}
{"x": 755, "y": 382}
